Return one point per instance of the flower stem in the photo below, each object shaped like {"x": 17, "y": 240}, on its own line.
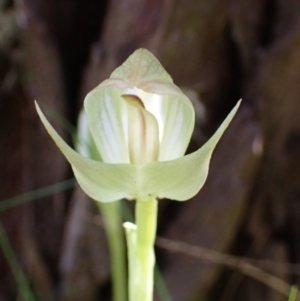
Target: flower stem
{"x": 112, "y": 217}
{"x": 146, "y": 221}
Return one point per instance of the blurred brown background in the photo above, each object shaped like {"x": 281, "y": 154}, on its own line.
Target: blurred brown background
{"x": 220, "y": 50}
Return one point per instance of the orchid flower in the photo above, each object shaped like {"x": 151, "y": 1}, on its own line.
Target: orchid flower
{"x": 141, "y": 124}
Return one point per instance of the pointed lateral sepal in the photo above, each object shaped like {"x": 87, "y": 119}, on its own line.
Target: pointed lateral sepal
{"x": 103, "y": 182}
{"x": 182, "y": 178}
{"x": 178, "y": 179}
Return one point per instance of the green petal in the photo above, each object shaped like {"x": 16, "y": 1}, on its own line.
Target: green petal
{"x": 179, "y": 122}
{"x": 106, "y": 110}
{"x": 83, "y": 137}
{"x": 143, "y": 71}
{"x": 141, "y": 67}
{"x": 101, "y": 181}
{"x": 84, "y": 143}
{"x": 182, "y": 178}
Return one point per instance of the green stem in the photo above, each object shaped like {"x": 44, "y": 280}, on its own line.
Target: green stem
{"x": 112, "y": 218}
{"x": 293, "y": 293}
{"x": 133, "y": 272}
{"x": 146, "y": 221}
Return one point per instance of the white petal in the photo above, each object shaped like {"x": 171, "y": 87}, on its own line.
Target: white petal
{"x": 182, "y": 178}
{"x": 161, "y": 88}
{"x": 101, "y": 181}
{"x": 175, "y": 116}
{"x": 106, "y": 114}
{"x": 179, "y": 121}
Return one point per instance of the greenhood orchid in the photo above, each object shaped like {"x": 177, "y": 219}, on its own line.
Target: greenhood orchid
{"x": 141, "y": 124}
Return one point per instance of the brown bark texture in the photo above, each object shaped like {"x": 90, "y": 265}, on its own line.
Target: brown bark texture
{"x": 239, "y": 238}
